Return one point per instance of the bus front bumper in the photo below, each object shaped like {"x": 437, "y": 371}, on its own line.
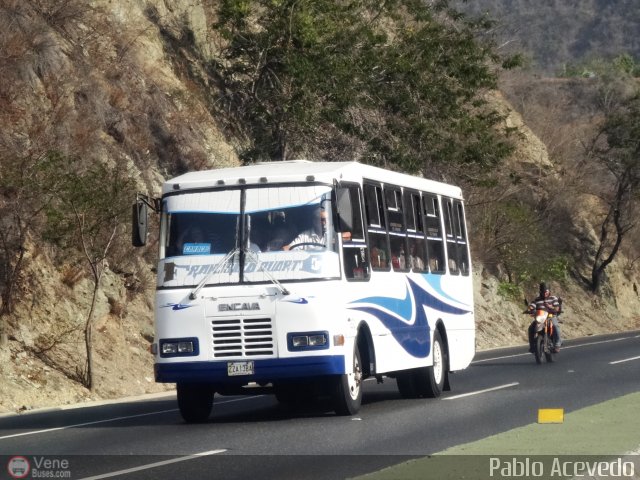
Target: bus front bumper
{"x": 265, "y": 370}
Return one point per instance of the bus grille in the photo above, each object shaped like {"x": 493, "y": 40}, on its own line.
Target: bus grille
{"x": 239, "y": 337}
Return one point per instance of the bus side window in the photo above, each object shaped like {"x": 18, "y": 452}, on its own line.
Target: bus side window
{"x": 450, "y": 233}
{"x": 461, "y": 238}
{"x": 355, "y": 253}
{"x": 433, "y": 230}
{"x": 397, "y": 229}
{"x": 376, "y": 227}
{"x": 417, "y": 253}
{"x": 373, "y": 206}
{"x": 356, "y": 262}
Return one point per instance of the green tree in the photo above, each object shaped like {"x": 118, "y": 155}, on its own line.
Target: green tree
{"x": 402, "y": 79}
{"x": 516, "y": 244}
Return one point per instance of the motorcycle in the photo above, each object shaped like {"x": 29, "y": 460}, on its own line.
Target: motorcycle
{"x": 543, "y": 346}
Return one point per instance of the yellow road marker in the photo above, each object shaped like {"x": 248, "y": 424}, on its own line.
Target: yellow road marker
{"x": 550, "y": 415}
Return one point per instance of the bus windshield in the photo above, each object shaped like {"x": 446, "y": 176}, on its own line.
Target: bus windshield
{"x": 248, "y": 235}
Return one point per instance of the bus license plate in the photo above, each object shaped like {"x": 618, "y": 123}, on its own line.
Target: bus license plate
{"x": 239, "y": 368}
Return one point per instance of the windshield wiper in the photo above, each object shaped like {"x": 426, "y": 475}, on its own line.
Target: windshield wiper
{"x": 229, "y": 257}
{"x": 252, "y": 256}
{"x": 217, "y": 269}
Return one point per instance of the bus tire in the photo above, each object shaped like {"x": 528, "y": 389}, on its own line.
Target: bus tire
{"x": 347, "y": 390}
{"x": 195, "y": 402}
{"x": 407, "y": 384}
{"x": 430, "y": 381}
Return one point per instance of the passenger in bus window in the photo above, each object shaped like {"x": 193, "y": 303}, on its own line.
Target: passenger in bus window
{"x": 434, "y": 264}
{"x": 278, "y": 239}
{"x": 398, "y": 260}
{"x": 259, "y": 236}
{"x": 277, "y": 232}
{"x": 254, "y": 247}
{"x": 453, "y": 265}
{"x": 378, "y": 257}
{"x": 415, "y": 260}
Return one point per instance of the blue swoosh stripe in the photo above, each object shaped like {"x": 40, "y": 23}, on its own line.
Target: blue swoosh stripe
{"x": 415, "y": 338}
{"x": 403, "y": 308}
{"x": 176, "y": 306}
{"x": 301, "y": 301}
{"x": 435, "y": 281}
{"x": 433, "y": 302}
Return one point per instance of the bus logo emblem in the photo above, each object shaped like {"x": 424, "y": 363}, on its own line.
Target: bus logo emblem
{"x": 233, "y": 307}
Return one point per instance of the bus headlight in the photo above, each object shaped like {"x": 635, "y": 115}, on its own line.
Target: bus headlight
{"x": 308, "y": 340}
{"x": 178, "y": 347}
{"x": 169, "y": 348}
{"x": 317, "y": 340}
{"x": 300, "y": 341}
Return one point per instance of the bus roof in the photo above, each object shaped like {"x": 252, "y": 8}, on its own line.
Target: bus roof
{"x": 302, "y": 171}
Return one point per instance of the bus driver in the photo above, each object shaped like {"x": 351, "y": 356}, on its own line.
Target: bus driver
{"x": 314, "y": 236}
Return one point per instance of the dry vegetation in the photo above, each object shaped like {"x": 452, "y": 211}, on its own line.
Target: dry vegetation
{"x": 85, "y": 83}
{"x": 557, "y": 34}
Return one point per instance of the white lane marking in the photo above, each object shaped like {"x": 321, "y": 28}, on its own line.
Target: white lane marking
{"x": 115, "y": 419}
{"x": 93, "y": 403}
{"x": 478, "y": 392}
{"x": 154, "y": 465}
{"x": 624, "y": 360}
{"x": 501, "y": 358}
{"x": 562, "y": 348}
{"x": 107, "y": 420}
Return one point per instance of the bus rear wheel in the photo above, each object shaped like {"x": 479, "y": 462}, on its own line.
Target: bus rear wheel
{"x": 426, "y": 381}
{"x": 430, "y": 381}
{"x": 195, "y": 402}
{"x": 347, "y": 390}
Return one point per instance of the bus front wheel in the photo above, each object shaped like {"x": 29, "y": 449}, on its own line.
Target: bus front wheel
{"x": 195, "y": 402}
{"x": 347, "y": 391}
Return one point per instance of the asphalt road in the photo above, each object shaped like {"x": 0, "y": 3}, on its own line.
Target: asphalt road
{"x": 255, "y": 437}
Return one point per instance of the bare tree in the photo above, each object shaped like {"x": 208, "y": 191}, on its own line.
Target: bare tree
{"x": 616, "y": 151}
{"x": 96, "y": 255}
{"x": 91, "y": 209}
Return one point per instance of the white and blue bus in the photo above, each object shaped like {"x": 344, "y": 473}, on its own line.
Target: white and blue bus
{"x": 305, "y": 278}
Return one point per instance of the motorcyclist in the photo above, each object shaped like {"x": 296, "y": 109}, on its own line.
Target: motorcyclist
{"x": 551, "y": 304}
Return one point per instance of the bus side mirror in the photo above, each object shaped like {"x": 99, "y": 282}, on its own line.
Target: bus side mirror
{"x": 139, "y": 219}
{"x": 344, "y": 210}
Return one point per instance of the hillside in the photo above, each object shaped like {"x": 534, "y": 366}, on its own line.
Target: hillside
{"x": 554, "y": 34}
{"x": 126, "y": 84}
{"x": 97, "y": 82}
